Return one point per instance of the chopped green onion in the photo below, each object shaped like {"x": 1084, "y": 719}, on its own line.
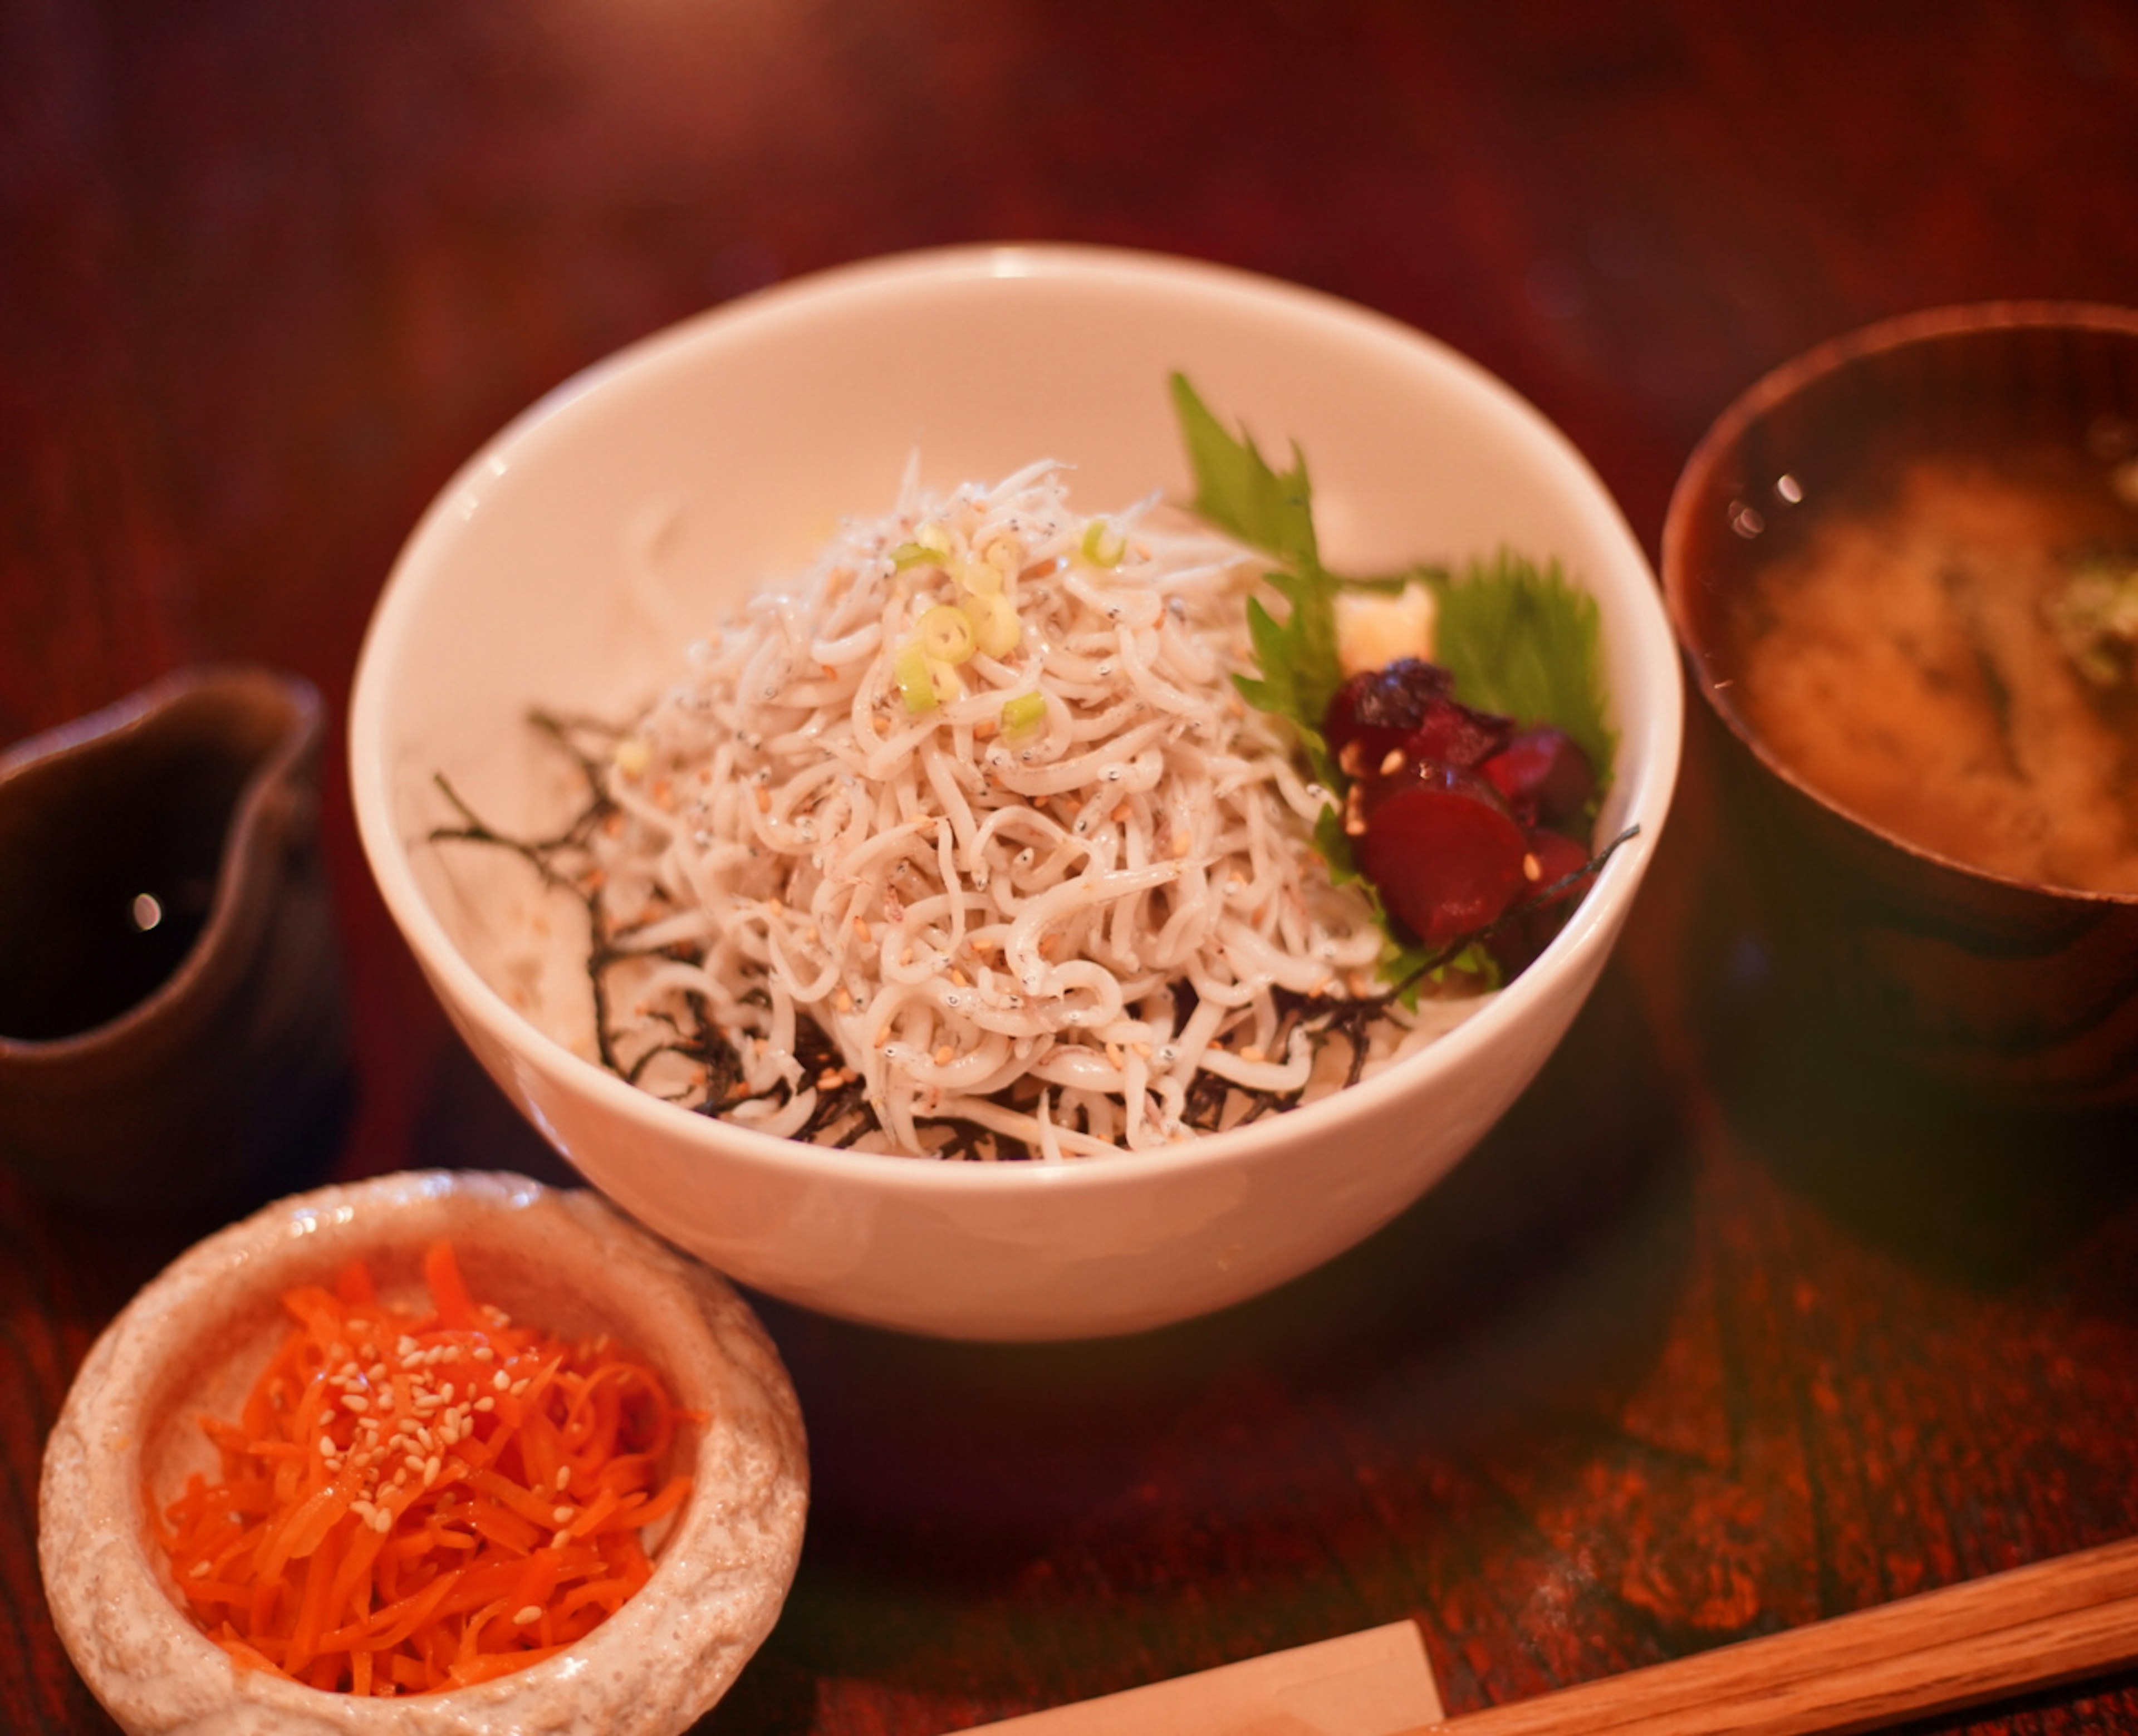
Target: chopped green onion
{"x": 982, "y": 578}
{"x": 946, "y": 634}
{"x": 933, "y": 535}
{"x": 916, "y": 682}
{"x": 996, "y": 628}
{"x": 1024, "y": 713}
{"x": 914, "y": 555}
{"x": 1103, "y": 546}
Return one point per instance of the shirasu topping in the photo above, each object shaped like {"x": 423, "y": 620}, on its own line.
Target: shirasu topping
{"x": 965, "y": 841}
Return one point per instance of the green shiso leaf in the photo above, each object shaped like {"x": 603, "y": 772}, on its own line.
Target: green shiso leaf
{"x": 1237, "y": 490}
{"x": 1335, "y": 848}
{"x": 1522, "y": 641}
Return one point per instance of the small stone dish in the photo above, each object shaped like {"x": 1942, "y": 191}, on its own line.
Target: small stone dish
{"x": 194, "y": 1341}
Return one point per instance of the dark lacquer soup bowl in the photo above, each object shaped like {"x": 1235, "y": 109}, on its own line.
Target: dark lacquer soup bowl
{"x": 1904, "y": 570}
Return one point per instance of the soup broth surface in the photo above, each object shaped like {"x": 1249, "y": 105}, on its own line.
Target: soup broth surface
{"x": 1909, "y": 655}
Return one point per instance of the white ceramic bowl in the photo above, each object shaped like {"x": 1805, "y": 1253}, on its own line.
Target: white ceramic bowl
{"x": 572, "y": 560}
{"x": 193, "y": 1342}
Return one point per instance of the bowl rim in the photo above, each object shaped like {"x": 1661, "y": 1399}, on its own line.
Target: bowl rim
{"x": 1924, "y": 326}
{"x": 1575, "y": 953}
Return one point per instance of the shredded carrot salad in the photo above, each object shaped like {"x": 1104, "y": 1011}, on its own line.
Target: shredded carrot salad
{"x": 411, "y": 1502}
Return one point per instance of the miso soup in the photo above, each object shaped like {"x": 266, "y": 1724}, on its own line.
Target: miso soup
{"x": 1946, "y": 652}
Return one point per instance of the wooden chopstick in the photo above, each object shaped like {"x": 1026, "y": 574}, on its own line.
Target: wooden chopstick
{"x": 2028, "y": 1627}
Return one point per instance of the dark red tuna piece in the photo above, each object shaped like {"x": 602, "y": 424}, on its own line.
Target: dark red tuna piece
{"x": 1539, "y": 913}
{"x": 1440, "y": 847}
{"x": 1545, "y": 777}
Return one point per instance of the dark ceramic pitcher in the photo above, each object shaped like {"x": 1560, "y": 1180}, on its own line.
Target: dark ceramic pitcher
{"x": 171, "y": 1024}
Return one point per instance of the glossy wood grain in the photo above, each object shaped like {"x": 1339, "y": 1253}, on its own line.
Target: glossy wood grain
{"x": 2022, "y": 1629}
{"x": 1721, "y": 1332}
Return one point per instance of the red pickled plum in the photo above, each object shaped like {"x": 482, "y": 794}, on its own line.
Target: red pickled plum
{"x": 1377, "y": 708}
{"x": 1409, "y": 706}
{"x": 1451, "y": 733}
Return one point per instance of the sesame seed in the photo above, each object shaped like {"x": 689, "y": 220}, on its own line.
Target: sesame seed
{"x": 485, "y": 1403}
{"x": 561, "y": 1515}
{"x": 945, "y": 1055}
{"x": 1391, "y": 762}
{"x": 356, "y": 1401}
{"x": 484, "y": 1354}
{"x": 1532, "y": 868}
{"x": 382, "y": 1520}
{"x": 197, "y": 1571}
{"x": 533, "y": 1613}
{"x": 519, "y": 1386}
{"x": 502, "y": 1381}
{"x": 563, "y": 1478}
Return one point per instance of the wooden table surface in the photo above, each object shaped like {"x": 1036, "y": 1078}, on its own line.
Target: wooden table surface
{"x": 1720, "y": 1333}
